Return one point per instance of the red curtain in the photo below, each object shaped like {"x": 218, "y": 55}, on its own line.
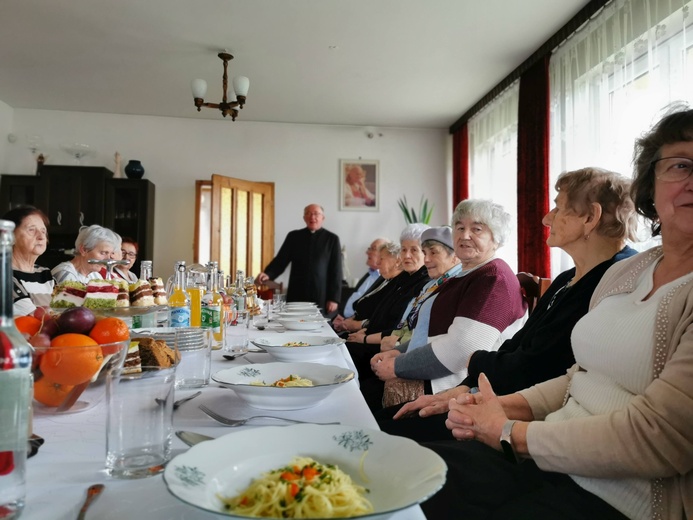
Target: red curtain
{"x": 533, "y": 170}
{"x": 460, "y": 165}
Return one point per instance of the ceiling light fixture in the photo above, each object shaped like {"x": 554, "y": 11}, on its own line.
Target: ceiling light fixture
{"x": 227, "y": 107}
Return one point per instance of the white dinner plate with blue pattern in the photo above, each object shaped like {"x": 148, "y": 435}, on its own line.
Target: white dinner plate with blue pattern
{"x": 252, "y": 383}
{"x": 397, "y": 472}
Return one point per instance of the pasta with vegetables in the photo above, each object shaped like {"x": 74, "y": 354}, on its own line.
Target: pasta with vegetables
{"x": 304, "y": 489}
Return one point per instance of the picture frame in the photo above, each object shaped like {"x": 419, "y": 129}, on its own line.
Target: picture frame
{"x": 359, "y": 187}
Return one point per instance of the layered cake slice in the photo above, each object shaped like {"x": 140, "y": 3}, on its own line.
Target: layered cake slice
{"x": 141, "y": 294}
{"x": 133, "y": 363}
{"x": 158, "y": 291}
{"x": 68, "y": 294}
{"x": 101, "y": 294}
{"x": 123, "y": 299}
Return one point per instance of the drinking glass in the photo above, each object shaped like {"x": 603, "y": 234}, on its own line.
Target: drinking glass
{"x": 139, "y": 421}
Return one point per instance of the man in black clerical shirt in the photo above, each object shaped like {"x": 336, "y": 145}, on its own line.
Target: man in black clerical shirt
{"x": 315, "y": 255}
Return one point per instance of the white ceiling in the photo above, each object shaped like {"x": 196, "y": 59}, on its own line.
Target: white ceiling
{"x": 397, "y": 63}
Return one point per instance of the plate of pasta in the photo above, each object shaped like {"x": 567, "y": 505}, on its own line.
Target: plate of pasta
{"x": 283, "y": 386}
{"x": 306, "y": 471}
{"x": 298, "y": 348}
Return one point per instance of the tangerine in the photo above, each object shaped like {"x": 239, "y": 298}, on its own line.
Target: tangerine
{"x": 49, "y": 392}
{"x": 110, "y": 330}
{"x": 27, "y": 324}
{"x": 72, "y": 359}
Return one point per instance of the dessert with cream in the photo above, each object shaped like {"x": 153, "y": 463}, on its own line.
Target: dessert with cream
{"x": 158, "y": 291}
{"x": 68, "y": 294}
{"x": 101, "y": 294}
{"x": 141, "y": 294}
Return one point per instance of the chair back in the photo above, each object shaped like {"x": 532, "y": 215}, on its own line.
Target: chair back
{"x": 532, "y": 288}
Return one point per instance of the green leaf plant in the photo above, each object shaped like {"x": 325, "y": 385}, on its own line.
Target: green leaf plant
{"x": 410, "y": 215}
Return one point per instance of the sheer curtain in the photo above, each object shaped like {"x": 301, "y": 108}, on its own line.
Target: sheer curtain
{"x": 493, "y": 160}
{"x": 611, "y": 81}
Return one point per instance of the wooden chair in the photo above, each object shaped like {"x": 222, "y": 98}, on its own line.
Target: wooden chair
{"x": 532, "y": 288}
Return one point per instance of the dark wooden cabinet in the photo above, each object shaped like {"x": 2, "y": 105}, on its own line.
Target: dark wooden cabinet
{"x": 130, "y": 213}
{"x": 75, "y": 196}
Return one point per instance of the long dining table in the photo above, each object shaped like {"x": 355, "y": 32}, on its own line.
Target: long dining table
{"x": 72, "y": 457}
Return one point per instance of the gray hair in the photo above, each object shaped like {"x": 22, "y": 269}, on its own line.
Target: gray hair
{"x": 487, "y": 212}
{"x": 392, "y": 248}
{"x": 413, "y": 232}
{"x": 91, "y": 236}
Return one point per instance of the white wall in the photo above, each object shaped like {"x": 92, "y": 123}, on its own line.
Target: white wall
{"x": 6, "y": 119}
{"x": 302, "y": 161}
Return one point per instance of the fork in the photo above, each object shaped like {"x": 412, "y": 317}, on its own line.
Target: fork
{"x": 240, "y": 422}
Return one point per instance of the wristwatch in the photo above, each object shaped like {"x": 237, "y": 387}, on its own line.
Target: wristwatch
{"x": 506, "y": 442}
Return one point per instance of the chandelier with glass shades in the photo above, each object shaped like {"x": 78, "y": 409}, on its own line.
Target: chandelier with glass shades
{"x": 227, "y": 107}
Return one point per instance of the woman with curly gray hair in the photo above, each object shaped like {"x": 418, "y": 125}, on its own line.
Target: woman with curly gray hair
{"x": 93, "y": 242}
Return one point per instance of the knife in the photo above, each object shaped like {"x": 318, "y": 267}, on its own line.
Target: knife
{"x": 192, "y": 438}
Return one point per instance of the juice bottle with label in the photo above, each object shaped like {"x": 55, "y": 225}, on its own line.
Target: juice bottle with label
{"x": 179, "y": 302}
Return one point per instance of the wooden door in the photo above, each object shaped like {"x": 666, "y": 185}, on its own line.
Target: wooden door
{"x": 234, "y": 224}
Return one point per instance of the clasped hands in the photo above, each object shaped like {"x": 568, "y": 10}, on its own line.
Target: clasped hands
{"x": 477, "y": 416}
{"x": 383, "y": 364}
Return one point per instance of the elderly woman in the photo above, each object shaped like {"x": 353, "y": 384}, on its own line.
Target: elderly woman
{"x": 612, "y": 439}
{"x": 128, "y": 250}
{"x": 33, "y": 284}
{"x": 441, "y": 264}
{"x": 93, "y": 243}
{"x": 390, "y": 266}
{"x": 593, "y": 217}
{"x": 469, "y": 313}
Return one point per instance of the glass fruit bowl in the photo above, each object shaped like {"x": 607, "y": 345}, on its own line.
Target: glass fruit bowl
{"x": 71, "y": 377}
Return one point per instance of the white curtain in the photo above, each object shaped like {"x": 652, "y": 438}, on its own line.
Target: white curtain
{"x": 611, "y": 81}
{"x": 493, "y": 160}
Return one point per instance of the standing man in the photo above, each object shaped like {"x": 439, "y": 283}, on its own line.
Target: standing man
{"x": 315, "y": 255}
{"x": 365, "y": 283}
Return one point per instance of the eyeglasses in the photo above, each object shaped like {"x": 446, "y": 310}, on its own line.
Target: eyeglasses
{"x": 312, "y": 214}
{"x": 127, "y": 254}
{"x": 33, "y": 231}
{"x": 673, "y": 169}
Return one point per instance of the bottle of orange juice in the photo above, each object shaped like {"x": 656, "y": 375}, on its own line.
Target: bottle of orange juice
{"x": 212, "y": 307}
{"x": 179, "y": 302}
{"x": 195, "y": 293}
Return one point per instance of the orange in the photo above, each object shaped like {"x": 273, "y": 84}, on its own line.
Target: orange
{"x": 109, "y": 330}
{"x": 27, "y": 324}
{"x": 72, "y": 359}
{"x": 49, "y": 392}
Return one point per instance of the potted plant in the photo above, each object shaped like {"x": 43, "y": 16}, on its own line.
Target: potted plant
{"x": 410, "y": 215}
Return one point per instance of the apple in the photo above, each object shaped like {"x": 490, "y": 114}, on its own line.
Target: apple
{"x": 78, "y": 320}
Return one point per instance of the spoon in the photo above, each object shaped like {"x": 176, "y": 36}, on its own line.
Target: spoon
{"x": 231, "y": 357}
{"x": 93, "y": 492}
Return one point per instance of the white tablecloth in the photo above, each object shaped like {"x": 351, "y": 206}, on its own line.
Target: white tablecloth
{"x": 72, "y": 457}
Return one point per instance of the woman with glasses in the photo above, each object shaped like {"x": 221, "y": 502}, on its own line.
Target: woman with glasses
{"x": 33, "y": 284}
{"x": 128, "y": 249}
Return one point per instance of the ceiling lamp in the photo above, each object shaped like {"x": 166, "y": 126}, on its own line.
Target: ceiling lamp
{"x": 240, "y": 88}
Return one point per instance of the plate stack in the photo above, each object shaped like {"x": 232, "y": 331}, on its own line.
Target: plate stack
{"x": 184, "y": 338}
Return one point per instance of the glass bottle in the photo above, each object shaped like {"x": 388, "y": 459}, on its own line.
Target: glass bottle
{"x": 195, "y": 292}
{"x": 179, "y": 301}
{"x": 15, "y": 389}
{"x": 239, "y": 291}
{"x": 212, "y": 304}
{"x": 251, "y": 297}
{"x": 145, "y": 320}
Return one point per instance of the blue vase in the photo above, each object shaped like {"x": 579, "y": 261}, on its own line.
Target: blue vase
{"x": 134, "y": 169}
